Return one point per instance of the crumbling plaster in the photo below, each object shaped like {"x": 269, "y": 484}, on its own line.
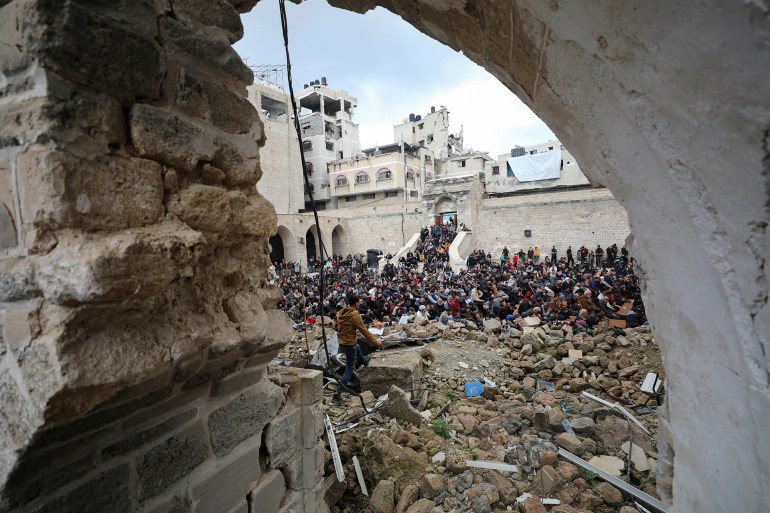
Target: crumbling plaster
{"x": 666, "y": 105}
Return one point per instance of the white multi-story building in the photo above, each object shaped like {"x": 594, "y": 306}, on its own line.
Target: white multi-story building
{"x": 430, "y": 131}
{"x": 328, "y": 134}
{"x": 387, "y": 174}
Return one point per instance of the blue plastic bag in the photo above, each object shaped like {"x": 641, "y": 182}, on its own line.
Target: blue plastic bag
{"x": 474, "y": 389}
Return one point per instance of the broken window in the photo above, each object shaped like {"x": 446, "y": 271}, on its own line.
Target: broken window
{"x": 369, "y": 195}
{"x": 460, "y": 163}
{"x": 428, "y": 159}
{"x": 341, "y": 181}
{"x": 495, "y": 170}
{"x": 422, "y": 142}
{"x": 414, "y": 194}
{"x": 348, "y": 199}
{"x": 410, "y": 175}
{"x": 362, "y": 178}
{"x": 329, "y": 146}
{"x": 429, "y": 138}
{"x": 391, "y": 194}
{"x": 384, "y": 174}
{"x": 420, "y": 126}
{"x": 307, "y": 145}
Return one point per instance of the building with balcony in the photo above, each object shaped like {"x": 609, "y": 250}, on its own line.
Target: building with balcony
{"x": 394, "y": 173}
{"x": 328, "y": 134}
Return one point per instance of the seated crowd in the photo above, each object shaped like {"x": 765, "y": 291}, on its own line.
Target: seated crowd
{"x": 422, "y": 286}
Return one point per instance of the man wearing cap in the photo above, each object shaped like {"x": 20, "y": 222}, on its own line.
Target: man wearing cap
{"x": 349, "y": 321}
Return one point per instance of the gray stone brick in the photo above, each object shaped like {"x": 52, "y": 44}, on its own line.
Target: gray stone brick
{"x": 283, "y": 437}
{"x": 244, "y": 416}
{"x": 312, "y": 425}
{"x": 171, "y": 460}
{"x": 109, "y": 491}
{"x": 215, "y": 13}
{"x": 209, "y": 50}
{"x": 237, "y": 381}
{"x": 305, "y": 385}
{"x": 148, "y": 435}
{"x": 223, "y": 486}
{"x": 108, "y": 57}
{"x": 268, "y": 494}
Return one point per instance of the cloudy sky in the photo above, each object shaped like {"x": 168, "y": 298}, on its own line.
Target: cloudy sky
{"x": 393, "y": 70}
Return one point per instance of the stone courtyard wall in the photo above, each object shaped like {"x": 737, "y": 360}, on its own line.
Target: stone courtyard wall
{"x": 136, "y": 320}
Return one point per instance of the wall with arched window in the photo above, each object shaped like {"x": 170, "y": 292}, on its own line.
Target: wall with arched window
{"x": 384, "y": 174}
{"x": 362, "y": 178}
{"x": 341, "y": 181}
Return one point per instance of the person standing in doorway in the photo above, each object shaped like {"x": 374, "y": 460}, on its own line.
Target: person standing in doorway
{"x": 349, "y": 322}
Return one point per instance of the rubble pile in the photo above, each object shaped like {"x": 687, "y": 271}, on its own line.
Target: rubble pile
{"x": 421, "y": 456}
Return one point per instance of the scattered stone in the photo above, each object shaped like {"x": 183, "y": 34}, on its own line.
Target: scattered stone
{"x": 638, "y": 457}
{"x": 398, "y": 406}
{"x": 408, "y": 496}
{"x": 608, "y": 493}
{"x": 545, "y": 480}
{"x": 422, "y": 506}
{"x": 383, "y": 498}
{"x": 432, "y": 485}
{"x": 532, "y": 505}
{"x": 569, "y": 442}
{"x": 610, "y": 464}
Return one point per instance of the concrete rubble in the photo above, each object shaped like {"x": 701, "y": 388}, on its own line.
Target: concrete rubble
{"x": 531, "y": 406}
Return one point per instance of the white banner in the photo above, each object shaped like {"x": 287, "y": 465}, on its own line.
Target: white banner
{"x": 540, "y": 166}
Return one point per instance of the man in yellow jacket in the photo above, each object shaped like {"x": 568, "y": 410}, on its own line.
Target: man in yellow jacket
{"x": 349, "y": 321}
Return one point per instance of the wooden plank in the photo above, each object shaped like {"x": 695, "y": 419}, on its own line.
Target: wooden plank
{"x": 617, "y": 323}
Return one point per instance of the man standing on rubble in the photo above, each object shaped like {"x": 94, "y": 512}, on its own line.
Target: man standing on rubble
{"x": 349, "y": 321}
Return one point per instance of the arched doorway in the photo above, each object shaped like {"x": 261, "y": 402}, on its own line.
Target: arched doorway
{"x": 445, "y": 210}
{"x": 339, "y": 241}
{"x": 310, "y": 244}
{"x": 282, "y": 245}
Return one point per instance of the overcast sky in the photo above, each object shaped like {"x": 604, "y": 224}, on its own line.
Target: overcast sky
{"x": 393, "y": 70}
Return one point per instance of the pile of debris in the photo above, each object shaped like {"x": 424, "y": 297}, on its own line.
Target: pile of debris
{"x": 436, "y": 448}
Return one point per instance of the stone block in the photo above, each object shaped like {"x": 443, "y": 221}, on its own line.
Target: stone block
{"x": 37, "y": 474}
{"x": 268, "y": 494}
{"x": 383, "y": 499}
{"x": 283, "y": 437}
{"x": 148, "y": 435}
{"x": 397, "y": 406}
{"x": 305, "y": 385}
{"x": 244, "y": 310}
{"x": 131, "y": 267}
{"x": 110, "y": 192}
{"x": 171, "y": 460}
{"x": 258, "y": 218}
{"x": 229, "y": 111}
{"x": 237, "y": 381}
{"x": 109, "y": 56}
{"x": 17, "y": 279}
{"x": 312, "y": 425}
{"x": 109, "y": 491}
{"x": 203, "y": 207}
{"x": 221, "y": 487}
{"x": 212, "y": 51}
{"x": 545, "y": 481}
{"x": 168, "y": 138}
{"x": 239, "y": 162}
{"x": 403, "y": 370}
{"x": 244, "y": 416}
{"x": 305, "y": 469}
{"x": 216, "y": 13}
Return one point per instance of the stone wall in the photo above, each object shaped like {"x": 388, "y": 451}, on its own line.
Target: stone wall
{"x": 133, "y": 263}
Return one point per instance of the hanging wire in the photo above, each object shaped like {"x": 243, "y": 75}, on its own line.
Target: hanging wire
{"x": 322, "y": 280}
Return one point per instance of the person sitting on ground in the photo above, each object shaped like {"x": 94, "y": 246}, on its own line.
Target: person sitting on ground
{"x": 349, "y": 321}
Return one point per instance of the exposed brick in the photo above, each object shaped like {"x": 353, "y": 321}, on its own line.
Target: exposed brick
{"x": 223, "y": 486}
{"x": 148, "y": 435}
{"x": 171, "y": 460}
{"x": 268, "y": 494}
{"x": 283, "y": 437}
{"x": 109, "y": 57}
{"x": 243, "y": 417}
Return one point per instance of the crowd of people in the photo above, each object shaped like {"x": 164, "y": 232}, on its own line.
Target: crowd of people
{"x": 421, "y": 286}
